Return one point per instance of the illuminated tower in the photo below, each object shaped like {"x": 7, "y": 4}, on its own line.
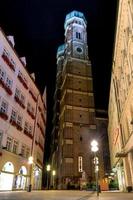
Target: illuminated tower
{"x": 74, "y": 114}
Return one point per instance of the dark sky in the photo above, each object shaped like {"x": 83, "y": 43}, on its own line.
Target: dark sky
{"x": 38, "y": 27}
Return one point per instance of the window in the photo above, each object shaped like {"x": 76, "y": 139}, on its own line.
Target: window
{"x": 6, "y": 53}
{"x": 17, "y": 93}
{"x": 2, "y": 74}
{"x": 30, "y": 129}
{"x": 80, "y": 138}
{"x": 23, "y": 150}
{"x": 68, "y": 160}
{"x": 69, "y": 141}
{"x": 26, "y": 126}
{"x": 78, "y": 35}
{"x": 80, "y": 164}
{"x": 9, "y": 82}
{"x": 32, "y": 110}
{"x": 4, "y": 107}
{"x": 1, "y": 135}
{"x": 9, "y": 143}
{"x": 13, "y": 115}
{"x": 22, "y": 98}
{"x": 15, "y": 146}
{"x": 19, "y": 120}
{"x": 27, "y": 152}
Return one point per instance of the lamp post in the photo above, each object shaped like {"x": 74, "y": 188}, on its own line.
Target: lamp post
{"x": 30, "y": 161}
{"x": 53, "y": 174}
{"x": 94, "y": 148}
{"x": 48, "y": 168}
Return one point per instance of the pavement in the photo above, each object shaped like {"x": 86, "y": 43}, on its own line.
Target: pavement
{"x": 64, "y": 195}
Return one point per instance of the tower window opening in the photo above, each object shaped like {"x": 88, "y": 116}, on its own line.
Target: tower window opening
{"x": 78, "y": 35}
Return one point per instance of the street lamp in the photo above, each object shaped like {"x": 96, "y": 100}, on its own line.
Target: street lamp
{"x": 48, "y": 168}
{"x": 94, "y": 148}
{"x": 53, "y": 173}
{"x": 30, "y": 161}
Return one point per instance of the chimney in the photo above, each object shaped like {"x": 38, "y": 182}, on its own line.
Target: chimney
{"x": 11, "y": 40}
{"x": 23, "y": 59}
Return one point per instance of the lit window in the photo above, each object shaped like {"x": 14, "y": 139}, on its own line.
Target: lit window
{"x": 4, "y": 107}
{"x": 68, "y": 160}
{"x": 15, "y": 146}
{"x": 80, "y": 164}
{"x": 9, "y": 143}
{"x": 69, "y": 141}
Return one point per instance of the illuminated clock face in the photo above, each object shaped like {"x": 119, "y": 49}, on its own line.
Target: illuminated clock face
{"x": 79, "y": 50}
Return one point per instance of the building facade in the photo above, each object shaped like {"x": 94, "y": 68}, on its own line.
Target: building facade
{"x": 74, "y": 110}
{"x": 22, "y": 122}
{"x": 120, "y": 111}
{"x": 104, "y": 155}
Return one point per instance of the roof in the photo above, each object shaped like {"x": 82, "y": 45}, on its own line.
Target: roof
{"x": 75, "y": 14}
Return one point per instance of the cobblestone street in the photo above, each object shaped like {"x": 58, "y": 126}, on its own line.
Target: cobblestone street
{"x": 64, "y": 195}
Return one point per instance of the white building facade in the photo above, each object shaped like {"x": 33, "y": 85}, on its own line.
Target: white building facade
{"x": 22, "y": 122}
{"x": 121, "y": 98}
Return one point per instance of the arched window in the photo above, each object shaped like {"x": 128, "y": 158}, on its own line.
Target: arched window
{"x": 8, "y": 167}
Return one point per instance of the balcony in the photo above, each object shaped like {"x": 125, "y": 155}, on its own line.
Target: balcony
{"x": 19, "y": 102}
{"x": 13, "y": 122}
{"x": 8, "y": 61}
{"x": 33, "y": 96}
{"x": 31, "y": 114}
{"x": 22, "y": 80}
{"x": 28, "y": 134}
{"x": 4, "y": 115}
{"x": 18, "y": 126}
{"x": 41, "y": 147}
{"x": 6, "y": 87}
{"x": 2, "y": 82}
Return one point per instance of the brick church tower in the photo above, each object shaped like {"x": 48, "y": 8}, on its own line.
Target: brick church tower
{"x": 74, "y": 109}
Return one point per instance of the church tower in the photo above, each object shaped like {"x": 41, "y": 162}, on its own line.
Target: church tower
{"x": 74, "y": 110}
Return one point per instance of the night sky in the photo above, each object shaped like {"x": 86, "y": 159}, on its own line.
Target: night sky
{"x": 38, "y": 28}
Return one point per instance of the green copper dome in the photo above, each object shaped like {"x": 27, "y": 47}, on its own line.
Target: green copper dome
{"x": 75, "y": 14}
{"x": 60, "y": 50}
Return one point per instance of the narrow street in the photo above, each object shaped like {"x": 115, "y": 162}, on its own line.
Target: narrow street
{"x": 64, "y": 195}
